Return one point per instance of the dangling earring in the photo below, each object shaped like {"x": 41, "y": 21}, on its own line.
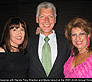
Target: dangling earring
{"x": 88, "y": 41}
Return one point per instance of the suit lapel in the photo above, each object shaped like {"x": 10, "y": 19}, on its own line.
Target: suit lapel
{"x": 59, "y": 56}
{"x": 36, "y": 57}
{"x": 56, "y": 61}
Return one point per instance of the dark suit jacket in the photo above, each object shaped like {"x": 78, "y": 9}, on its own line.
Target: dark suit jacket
{"x": 36, "y": 69}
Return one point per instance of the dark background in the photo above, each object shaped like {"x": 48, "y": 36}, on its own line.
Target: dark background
{"x": 26, "y": 9}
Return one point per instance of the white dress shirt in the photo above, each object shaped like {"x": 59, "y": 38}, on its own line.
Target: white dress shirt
{"x": 53, "y": 45}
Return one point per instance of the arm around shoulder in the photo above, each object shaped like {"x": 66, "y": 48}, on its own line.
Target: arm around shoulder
{"x": 1, "y": 49}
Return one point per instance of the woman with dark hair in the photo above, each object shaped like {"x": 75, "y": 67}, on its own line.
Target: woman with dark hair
{"x": 13, "y": 62}
{"x": 79, "y": 33}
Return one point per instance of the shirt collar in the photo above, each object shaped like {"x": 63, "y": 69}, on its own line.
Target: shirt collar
{"x": 51, "y": 36}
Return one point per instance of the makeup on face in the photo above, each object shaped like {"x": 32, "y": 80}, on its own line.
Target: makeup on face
{"x": 79, "y": 37}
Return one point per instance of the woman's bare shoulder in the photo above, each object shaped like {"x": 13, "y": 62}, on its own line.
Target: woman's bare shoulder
{"x": 1, "y": 49}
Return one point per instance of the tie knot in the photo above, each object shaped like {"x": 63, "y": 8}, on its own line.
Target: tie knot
{"x": 46, "y": 39}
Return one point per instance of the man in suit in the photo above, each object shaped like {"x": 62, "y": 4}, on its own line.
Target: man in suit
{"x": 46, "y": 18}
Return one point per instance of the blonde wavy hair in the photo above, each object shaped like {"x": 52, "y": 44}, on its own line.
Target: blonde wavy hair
{"x": 82, "y": 24}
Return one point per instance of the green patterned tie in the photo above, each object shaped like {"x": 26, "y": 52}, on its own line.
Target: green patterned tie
{"x": 46, "y": 56}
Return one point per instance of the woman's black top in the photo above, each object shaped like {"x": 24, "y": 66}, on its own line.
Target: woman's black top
{"x": 13, "y": 65}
